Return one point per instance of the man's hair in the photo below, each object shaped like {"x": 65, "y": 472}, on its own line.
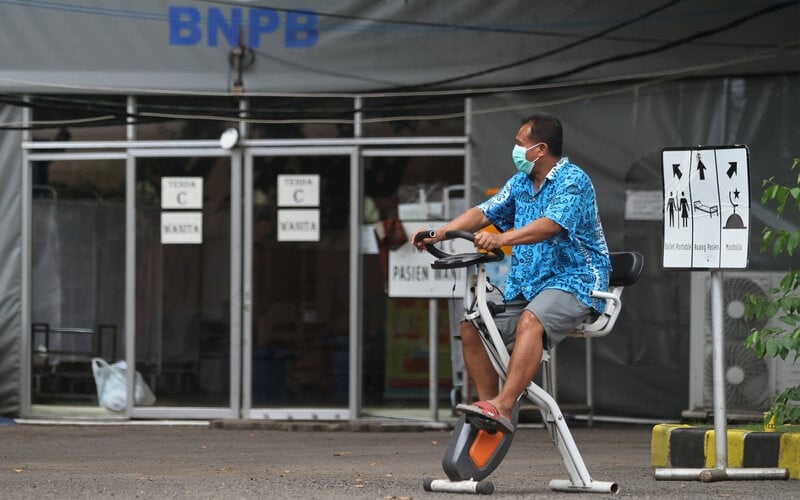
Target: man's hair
{"x": 547, "y": 129}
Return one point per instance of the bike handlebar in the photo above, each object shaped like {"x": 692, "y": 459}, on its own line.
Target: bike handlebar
{"x": 458, "y": 260}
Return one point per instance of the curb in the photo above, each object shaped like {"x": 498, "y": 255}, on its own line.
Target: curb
{"x": 681, "y": 445}
{"x": 329, "y": 426}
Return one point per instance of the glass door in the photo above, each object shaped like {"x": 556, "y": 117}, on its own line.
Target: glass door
{"x": 298, "y": 282}
{"x": 186, "y": 281}
{"x": 77, "y": 249}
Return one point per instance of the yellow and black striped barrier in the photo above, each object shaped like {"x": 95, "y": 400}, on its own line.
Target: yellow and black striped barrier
{"x": 685, "y": 446}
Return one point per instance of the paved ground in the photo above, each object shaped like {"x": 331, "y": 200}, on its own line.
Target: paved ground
{"x": 157, "y": 461}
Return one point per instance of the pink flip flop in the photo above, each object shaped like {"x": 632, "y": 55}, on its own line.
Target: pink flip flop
{"x": 485, "y": 416}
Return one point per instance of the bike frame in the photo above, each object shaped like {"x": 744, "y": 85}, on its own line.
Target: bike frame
{"x": 477, "y": 311}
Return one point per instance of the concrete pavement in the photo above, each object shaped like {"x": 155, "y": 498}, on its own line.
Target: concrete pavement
{"x": 378, "y": 460}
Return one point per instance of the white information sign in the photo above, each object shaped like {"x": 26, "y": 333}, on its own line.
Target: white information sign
{"x": 643, "y": 205}
{"x": 410, "y": 273}
{"x": 298, "y": 190}
{"x": 298, "y": 224}
{"x": 181, "y": 227}
{"x": 182, "y": 192}
{"x": 706, "y": 207}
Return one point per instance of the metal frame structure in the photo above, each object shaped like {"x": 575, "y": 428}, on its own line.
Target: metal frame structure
{"x": 241, "y": 156}
{"x": 232, "y": 411}
{"x": 354, "y": 292}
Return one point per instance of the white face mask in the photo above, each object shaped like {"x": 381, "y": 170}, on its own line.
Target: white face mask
{"x": 523, "y": 164}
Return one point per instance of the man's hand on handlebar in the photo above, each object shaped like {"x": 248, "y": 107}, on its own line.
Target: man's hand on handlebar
{"x": 484, "y": 240}
{"x": 425, "y": 237}
{"x": 488, "y": 241}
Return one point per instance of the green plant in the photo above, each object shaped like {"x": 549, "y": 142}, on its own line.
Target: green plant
{"x": 783, "y": 338}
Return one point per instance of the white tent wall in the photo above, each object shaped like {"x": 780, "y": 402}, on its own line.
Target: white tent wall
{"x": 368, "y": 46}
{"x": 10, "y": 256}
{"x": 618, "y": 140}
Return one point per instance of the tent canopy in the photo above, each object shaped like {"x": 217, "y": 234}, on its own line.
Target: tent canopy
{"x": 356, "y": 46}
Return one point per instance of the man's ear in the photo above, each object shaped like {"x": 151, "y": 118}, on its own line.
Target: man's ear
{"x": 545, "y": 149}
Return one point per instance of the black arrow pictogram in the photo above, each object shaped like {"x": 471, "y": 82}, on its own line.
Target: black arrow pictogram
{"x": 732, "y": 169}
{"x": 702, "y": 169}
{"x": 676, "y": 170}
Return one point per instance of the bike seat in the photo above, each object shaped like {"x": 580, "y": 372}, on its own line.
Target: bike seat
{"x": 626, "y": 268}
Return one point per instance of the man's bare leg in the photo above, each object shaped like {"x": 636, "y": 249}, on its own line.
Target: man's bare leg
{"x": 524, "y": 363}
{"x": 479, "y": 366}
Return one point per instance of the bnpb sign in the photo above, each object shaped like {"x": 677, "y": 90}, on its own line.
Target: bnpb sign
{"x": 193, "y": 26}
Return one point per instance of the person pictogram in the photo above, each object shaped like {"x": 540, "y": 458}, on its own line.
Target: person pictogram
{"x": 684, "y": 203}
{"x": 671, "y": 208}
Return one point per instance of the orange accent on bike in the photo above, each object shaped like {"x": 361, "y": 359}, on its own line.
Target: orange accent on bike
{"x": 483, "y": 447}
{"x": 506, "y": 249}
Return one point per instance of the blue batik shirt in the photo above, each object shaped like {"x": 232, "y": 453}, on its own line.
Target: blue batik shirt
{"x": 574, "y": 260}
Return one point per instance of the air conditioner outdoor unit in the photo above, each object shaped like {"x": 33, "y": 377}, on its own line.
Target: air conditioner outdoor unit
{"x": 750, "y": 382}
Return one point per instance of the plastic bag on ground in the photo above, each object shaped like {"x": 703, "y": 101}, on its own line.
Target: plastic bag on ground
{"x": 111, "y": 389}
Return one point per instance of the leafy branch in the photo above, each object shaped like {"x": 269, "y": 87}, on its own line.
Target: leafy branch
{"x": 783, "y": 338}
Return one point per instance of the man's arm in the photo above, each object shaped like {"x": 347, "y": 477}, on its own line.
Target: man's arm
{"x": 536, "y": 231}
{"x": 471, "y": 220}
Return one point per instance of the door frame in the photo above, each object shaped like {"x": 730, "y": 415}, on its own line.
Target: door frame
{"x": 26, "y": 286}
{"x": 354, "y": 320}
{"x": 235, "y": 327}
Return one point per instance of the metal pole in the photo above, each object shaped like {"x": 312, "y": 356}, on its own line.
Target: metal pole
{"x": 718, "y": 348}
{"x": 589, "y": 383}
{"x": 433, "y": 361}
{"x": 713, "y": 475}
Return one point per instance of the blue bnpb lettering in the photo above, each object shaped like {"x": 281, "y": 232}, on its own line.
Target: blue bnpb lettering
{"x": 301, "y": 29}
{"x": 261, "y": 21}
{"x": 184, "y": 26}
{"x": 187, "y": 26}
{"x": 218, "y": 24}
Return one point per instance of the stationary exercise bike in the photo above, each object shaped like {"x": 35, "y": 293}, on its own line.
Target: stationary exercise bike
{"x": 473, "y": 453}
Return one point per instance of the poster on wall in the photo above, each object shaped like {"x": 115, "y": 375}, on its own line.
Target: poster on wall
{"x": 410, "y": 273}
{"x": 298, "y": 224}
{"x": 181, "y": 228}
{"x": 181, "y": 218}
{"x": 294, "y": 222}
{"x": 182, "y": 193}
{"x": 295, "y": 190}
{"x": 407, "y": 348}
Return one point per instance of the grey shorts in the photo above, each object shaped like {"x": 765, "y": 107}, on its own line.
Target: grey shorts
{"x": 558, "y": 311}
